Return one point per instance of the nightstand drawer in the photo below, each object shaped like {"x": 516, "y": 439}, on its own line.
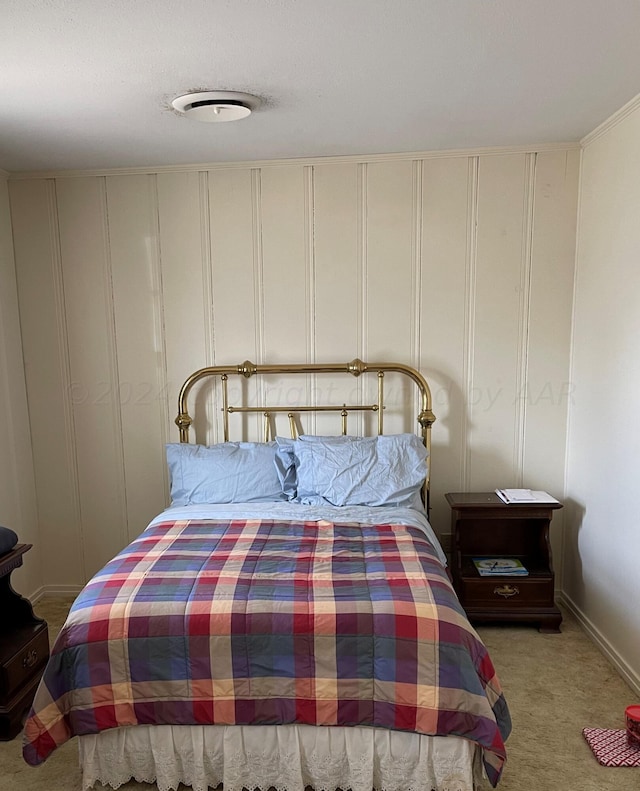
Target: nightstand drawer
{"x": 26, "y": 662}
{"x": 508, "y": 592}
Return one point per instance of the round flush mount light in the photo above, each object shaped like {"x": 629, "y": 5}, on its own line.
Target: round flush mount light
{"x": 216, "y": 106}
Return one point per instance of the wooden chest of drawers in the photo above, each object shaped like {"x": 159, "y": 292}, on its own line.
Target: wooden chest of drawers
{"x": 24, "y": 649}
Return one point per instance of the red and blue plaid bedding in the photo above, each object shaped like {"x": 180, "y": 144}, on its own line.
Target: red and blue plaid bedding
{"x": 271, "y": 622}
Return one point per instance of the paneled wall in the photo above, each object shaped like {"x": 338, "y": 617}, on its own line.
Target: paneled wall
{"x": 17, "y": 489}
{"x": 461, "y": 266}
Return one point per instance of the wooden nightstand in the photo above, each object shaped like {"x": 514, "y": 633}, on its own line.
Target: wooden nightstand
{"x": 24, "y": 648}
{"x": 483, "y": 525}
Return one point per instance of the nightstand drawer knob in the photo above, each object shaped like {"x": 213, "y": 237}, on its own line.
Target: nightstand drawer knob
{"x": 506, "y": 591}
{"x": 30, "y": 659}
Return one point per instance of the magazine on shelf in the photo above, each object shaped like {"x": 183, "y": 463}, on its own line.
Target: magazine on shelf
{"x": 514, "y": 496}
{"x": 491, "y": 567}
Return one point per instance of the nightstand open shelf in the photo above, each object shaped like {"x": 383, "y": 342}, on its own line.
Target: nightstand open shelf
{"x": 535, "y": 568}
{"x": 482, "y": 525}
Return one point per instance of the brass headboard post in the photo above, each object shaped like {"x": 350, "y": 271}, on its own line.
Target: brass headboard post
{"x": 356, "y": 367}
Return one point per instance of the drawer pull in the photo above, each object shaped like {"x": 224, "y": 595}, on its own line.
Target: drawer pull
{"x": 30, "y": 659}
{"x": 506, "y": 591}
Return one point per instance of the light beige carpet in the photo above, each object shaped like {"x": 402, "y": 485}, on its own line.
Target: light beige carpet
{"x": 555, "y": 686}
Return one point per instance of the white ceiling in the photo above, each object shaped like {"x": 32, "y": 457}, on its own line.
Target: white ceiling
{"x": 88, "y": 83}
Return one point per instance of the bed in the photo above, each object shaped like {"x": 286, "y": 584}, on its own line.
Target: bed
{"x": 288, "y": 622}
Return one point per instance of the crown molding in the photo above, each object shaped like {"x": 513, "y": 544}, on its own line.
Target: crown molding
{"x": 612, "y": 121}
{"x": 363, "y": 158}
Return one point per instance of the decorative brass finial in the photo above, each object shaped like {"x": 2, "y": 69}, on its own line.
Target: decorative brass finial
{"x": 356, "y": 367}
{"x": 426, "y": 418}
{"x": 183, "y": 421}
{"x": 247, "y": 368}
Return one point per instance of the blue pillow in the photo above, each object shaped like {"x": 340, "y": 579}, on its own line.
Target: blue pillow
{"x": 373, "y": 471}
{"x": 286, "y": 459}
{"x": 285, "y": 462}
{"x": 231, "y": 472}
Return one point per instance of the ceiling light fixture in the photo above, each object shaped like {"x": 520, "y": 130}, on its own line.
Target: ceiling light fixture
{"x": 216, "y": 106}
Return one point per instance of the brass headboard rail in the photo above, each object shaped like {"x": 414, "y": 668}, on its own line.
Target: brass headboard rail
{"x": 355, "y": 368}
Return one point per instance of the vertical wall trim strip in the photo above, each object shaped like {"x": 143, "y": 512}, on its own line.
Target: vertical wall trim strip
{"x": 258, "y": 283}
{"x": 65, "y": 364}
{"x": 310, "y": 280}
{"x": 363, "y": 318}
{"x": 363, "y": 279}
{"x": 524, "y": 319}
{"x": 571, "y": 519}
{"x": 310, "y": 263}
{"x": 416, "y": 254}
{"x": 112, "y": 357}
{"x": 160, "y": 335}
{"x": 209, "y": 330}
{"x": 469, "y": 320}
{"x": 11, "y": 421}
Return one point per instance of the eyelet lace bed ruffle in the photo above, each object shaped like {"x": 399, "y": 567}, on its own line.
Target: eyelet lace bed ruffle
{"x": 284, "y": 757}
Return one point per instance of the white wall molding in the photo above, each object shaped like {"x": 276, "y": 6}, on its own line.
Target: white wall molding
{"x": 594, "y": 634}
{"x": 566, "y": 548}
{"x": 112, "y": 352}
{"x": 162, "y": 376}
{"x": 310, "y": 262}
{"x": 204, "y": 204}
{"x": 208, "y": 314}
{"x": 416, "y": 252}
{"x": 6, "y": 398}
{"x": 54, "y": 591}
{"x": 65, "y": 366}
{"x": 611, "y": 121}
{"x": 469, "y": 318}
{"x": 258, "y": 281}
{"x": 36, "y": 595}
{"x": 395, "y": 157}
{"x": 522, "y": 367}
{"x": 362, "y": 260}
{"x": 308, "y": 177}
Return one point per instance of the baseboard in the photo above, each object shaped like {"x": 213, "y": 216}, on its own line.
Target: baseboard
{"x": 629, "y": 675}
{"x": 55, "y": 591}
{"x": 35, "y": 597}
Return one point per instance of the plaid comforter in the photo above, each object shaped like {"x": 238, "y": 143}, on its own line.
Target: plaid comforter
{"x": 270, "y": 622}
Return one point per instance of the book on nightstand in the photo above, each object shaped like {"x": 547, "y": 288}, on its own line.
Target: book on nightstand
{"x": 513, "y": 496}
{"x": 491, "y": 567}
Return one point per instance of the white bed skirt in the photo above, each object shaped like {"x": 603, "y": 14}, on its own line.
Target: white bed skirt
{"x": 284, "y": 757}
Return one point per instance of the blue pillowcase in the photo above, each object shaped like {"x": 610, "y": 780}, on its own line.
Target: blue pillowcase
{"x": 231, "y": 472}
{"x": 312, "y": 470}
{"x": 286, "y": 459}
{"x": 372, "y": 471}
{"x": 285, "y": 462}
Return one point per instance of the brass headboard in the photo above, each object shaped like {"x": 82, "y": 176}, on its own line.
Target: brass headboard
{"x": 356, "y": 367}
